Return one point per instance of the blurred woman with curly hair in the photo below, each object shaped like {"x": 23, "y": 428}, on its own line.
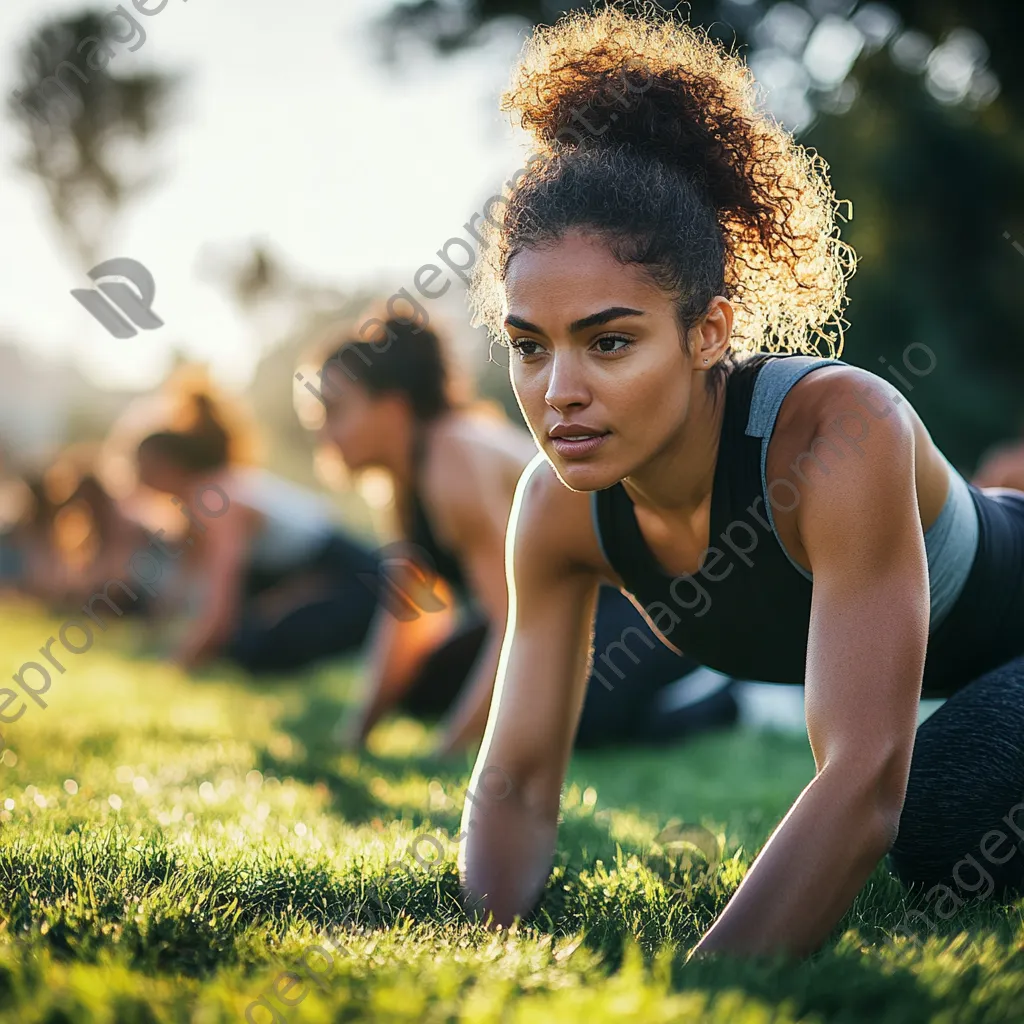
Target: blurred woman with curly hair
{"x": 665, "y": 272}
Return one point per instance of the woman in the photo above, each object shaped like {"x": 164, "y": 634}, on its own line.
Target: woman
{"x": 786, "y": 519}
{"x": 454, "y": 472}
{"x": 279, "y": 585}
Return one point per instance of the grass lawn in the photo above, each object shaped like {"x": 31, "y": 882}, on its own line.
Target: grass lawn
{"x": 171, "y": 848}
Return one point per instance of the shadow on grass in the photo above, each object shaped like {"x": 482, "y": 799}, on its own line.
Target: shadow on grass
{"x": 348, "y": 783}
{"x": 842, "y": 987}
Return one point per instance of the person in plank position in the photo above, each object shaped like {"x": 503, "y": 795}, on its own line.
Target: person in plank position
{"x": 665, "y": 272}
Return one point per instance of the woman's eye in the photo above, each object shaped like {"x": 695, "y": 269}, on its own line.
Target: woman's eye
{"x": 612, "y": 343}
{"x": 525, "y": 347}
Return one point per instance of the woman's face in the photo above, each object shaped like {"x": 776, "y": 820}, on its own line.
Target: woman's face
{"x": 357, "y": 422}
{"x": 613, "y": 392}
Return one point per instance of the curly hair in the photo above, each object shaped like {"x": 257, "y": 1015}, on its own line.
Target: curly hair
{"x": 650, "y": 136}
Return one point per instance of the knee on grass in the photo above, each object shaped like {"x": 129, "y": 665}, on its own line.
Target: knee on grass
{"x": 990, "y": 864}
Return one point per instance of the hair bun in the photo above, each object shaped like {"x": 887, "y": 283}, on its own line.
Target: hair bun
{"x": 663, "y": 89}
{"x": 635, "y": 113}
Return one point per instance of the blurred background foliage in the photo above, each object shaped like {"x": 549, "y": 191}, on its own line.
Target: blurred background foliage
{"x": 917, "y": 107}
{"x": 90, "y": 152}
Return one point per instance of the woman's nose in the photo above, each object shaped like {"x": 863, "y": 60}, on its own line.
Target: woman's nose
{"x": 566, "y": 385}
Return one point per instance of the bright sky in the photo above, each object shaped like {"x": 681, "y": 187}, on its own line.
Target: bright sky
{"x": 287, "y": 129}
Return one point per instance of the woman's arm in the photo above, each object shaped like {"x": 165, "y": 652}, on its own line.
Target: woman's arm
{"x": 478, "y": 517}
{"x": 225, "y": 543}
{"x": 541, "y": 683}
{"x": 868, "y": 633}
{"x": 1002, "y": 467}
{"x": 400, "y": 639}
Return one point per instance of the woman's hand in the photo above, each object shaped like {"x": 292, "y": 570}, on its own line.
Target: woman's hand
{"x": 347, "y": 734}
{"x": 398, "y": 648}
{"x": 191, "y": 654}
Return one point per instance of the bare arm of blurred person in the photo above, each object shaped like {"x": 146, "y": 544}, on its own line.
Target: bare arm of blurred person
{"x": 401, "y": 638}
{"x": 1002, "y": 467}
{"x": 221, "y": 564}
{"x": 468, "y": 483}
{"x": 555, "y": 569}
{"x": 474, "y": 513}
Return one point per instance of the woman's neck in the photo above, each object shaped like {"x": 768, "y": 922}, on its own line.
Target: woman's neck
{"x": 680, "y": 476}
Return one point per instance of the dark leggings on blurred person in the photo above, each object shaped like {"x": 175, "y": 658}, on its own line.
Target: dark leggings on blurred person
{"x": 336, "y": 621}
{"x": 621, "y": 704}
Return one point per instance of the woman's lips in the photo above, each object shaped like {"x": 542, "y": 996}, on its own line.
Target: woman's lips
{"x": 570, "y": 449}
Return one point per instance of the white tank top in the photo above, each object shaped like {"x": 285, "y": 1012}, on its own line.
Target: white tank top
{"x": 294, "y": 521}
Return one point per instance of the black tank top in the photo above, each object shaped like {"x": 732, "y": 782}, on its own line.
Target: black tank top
{"x": 426, "y": 547}
{"x": 746, "y": 612}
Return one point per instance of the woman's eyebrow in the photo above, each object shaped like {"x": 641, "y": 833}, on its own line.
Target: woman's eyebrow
{"x": 593, "y": 320}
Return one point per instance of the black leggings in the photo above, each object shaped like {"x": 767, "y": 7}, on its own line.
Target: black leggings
{"x": 336, "y": 622}
{"x": 631, "y": 667}
{"x": 966, "y": 790}
{"x": 964, "y": 809}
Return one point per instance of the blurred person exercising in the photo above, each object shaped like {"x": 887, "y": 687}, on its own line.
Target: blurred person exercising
{"x": 114, "y": 536}
{"x": 278, "y": 580}
{"x": 639, "y": 273}
{"x": 454, "y": 470}
{"x": 32, "y": 561}
{"x": 1002, "y": 466}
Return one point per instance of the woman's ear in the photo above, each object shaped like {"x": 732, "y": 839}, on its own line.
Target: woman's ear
{"x": 712, "y": 334}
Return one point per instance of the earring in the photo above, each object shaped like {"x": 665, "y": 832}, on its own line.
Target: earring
{"x": 705, "y": 360}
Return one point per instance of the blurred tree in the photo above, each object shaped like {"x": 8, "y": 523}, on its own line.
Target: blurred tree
{"x": 933, "y": 190}
{"x": 76, "y": 117}
{"x": 916, "y": 105}
{"x": 452, "y": 25}
{"x": 255, "y": 276}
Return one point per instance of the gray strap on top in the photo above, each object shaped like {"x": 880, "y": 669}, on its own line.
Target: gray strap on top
{"x": 774, "y": 381}
{"x": 950, "y": 542}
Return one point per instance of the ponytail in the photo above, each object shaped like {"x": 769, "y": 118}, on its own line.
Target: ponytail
{"x": 202, "y": 447}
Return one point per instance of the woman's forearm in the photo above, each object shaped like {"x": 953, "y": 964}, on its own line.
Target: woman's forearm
{"x": 506, "y": 858}
{"x": 202, "y": 641}
{"x": 398, "y": 649}
{"x": 382, "y": 677}
{"x": 809, "y": 872}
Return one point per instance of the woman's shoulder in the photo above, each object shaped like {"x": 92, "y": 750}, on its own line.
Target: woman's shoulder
{"x": 553, "y": 523}
{"x": 470, "y": 451}
{"x": 841, "y": 410}
{"x": 837, "y": 398}
{"x": 482, "y": 433}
